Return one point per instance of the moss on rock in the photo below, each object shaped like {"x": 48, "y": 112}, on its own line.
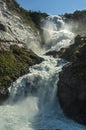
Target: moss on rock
{"x": 14, "y": 63}
{"x": 74, "y": 52}
{"x": 72, "y": 83}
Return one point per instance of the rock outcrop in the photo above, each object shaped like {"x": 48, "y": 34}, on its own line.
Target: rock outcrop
{"x": 72, "y": 82}
{"x": 14, "y": 62}
{"x": 52, "y": 53}
{"x": 18, "y": 35}
{"x": 76, "y": 51}
{"x": 14, "y": 28}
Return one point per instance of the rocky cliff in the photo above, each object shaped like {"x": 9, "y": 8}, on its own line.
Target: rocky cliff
{"x": 72, "y": 82}
{"x": 13, "y": 28}
{"x": 18, "y": 34}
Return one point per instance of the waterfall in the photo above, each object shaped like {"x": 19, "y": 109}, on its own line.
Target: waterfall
{"x": 56, "y": 33}
{"x": 33, "y": 104}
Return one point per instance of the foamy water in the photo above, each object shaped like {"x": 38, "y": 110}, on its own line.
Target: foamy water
{"x": 33, "y": 104}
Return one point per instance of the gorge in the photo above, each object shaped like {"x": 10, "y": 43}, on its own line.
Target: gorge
{"x": 33, "y": 101}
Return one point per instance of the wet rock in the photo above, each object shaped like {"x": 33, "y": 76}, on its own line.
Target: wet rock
{"x": 13, "y": 64}
{"x": 4, "y": 95}
{"x": 75, "y": 51}
{"x": 2, "y": 27}
{"x": 72, "y": 91}
{"x": 72, "y": 83}
{"x": 52, "y": 53}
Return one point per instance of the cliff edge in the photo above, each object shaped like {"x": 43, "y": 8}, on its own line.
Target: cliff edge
{"x": 72, "y": 81}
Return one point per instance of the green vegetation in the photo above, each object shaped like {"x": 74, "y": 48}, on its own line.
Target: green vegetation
{"x": 15, "y": 63}
{"x": 28, "y": 17}
{"x": 72, "y": 81}
{"x": 37, "y": 17}
{"x": 77, "y": 15}
{"x": 75, "y": 52}
{"x": 78, "y": 20}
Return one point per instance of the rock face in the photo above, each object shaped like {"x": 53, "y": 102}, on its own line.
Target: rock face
{"x": 76, "y": 51}
{"x": 14, "y": 63}
{"x": 13, "y": 28}
{"x": 72, "y": 83}
{"x": 52, "y": 53}
{"x": 18, "y": 35}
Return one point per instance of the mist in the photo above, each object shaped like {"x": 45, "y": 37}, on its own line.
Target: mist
{"x": 56, "y": 33}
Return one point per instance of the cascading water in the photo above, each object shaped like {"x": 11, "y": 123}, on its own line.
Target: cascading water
{"x": 33, "y": 104}
{"x": 56, "y": 33}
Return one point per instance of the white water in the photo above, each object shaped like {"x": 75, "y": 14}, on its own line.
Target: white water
{"x": 57, "y": 34}
{"x": 33, "y": 104}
